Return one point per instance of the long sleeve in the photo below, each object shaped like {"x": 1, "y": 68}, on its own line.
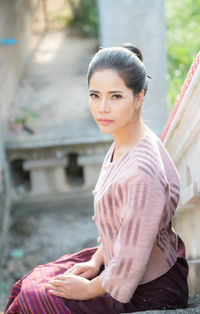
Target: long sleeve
{"x": 141, "y": 208}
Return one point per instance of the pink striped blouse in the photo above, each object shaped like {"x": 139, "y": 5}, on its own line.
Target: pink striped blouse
{"x": 134, "y": 201}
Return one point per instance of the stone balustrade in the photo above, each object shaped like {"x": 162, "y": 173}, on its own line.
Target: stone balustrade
{"x": 91, "y": 166}
{"x": 47, "y": 175}
{"x": 55, "y": 167}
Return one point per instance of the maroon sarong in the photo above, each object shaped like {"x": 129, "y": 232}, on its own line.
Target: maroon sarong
{"x": 29, "y": 294}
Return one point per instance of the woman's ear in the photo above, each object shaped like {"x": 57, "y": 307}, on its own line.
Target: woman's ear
{"x": 139, "y": 100}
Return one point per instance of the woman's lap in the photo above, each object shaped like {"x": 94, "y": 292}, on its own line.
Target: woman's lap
{"x": 29, "y": 294}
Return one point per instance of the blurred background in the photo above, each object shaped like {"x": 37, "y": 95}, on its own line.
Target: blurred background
{"x": 51, "y": 150}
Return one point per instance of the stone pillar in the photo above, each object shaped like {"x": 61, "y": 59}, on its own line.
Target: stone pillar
{"x": 91, "y": 168}
{"x": 47, "y": 176}
{"x": 143, "y": 24}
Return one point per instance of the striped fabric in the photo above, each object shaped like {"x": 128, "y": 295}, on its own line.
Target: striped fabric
{"x": 134, "y": 201}
{"x": 29, "y": 295}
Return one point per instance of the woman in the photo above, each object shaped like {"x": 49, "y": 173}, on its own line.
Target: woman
{"x": 140, "y": 262}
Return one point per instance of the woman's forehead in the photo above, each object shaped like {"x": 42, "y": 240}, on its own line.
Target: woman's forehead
{"x": 108, "y": 79}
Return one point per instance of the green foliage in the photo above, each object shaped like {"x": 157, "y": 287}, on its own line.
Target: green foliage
{"x": 84, "y": 17}
{"x": 183, "y": 42}
{"x": 27, "y": 113}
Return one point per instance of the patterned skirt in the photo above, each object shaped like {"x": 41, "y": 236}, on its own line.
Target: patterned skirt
{"x": 29, "y": 295}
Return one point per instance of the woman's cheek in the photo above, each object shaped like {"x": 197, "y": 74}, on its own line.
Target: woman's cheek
{"x": 90, "y": 106}
{"x": 92, "y": 110}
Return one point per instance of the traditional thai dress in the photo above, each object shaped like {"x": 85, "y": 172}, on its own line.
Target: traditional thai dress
{"x": 135, "y": 199}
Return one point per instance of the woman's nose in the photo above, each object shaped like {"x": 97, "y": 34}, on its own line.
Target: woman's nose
{"x": 103, "y": 107}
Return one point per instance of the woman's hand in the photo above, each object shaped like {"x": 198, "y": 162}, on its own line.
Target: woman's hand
{"x": 87, "y": 270}
{"x": 74, "y": 283}
{"x": 69, "y": 286}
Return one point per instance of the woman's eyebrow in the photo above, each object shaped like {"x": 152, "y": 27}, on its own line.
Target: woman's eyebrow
{"x": 110, "y": 92}
{"x": 115, "y": 91}
{"x": 93, "y": 91}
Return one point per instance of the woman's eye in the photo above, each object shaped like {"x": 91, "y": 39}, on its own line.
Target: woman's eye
{"x": 117, "y": 96}
{"x": 94, "y": 95}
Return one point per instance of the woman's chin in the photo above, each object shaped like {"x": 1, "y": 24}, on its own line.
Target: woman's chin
{"x": 105, "y": 131}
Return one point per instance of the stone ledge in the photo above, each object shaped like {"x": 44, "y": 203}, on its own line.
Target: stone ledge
{"x": 194, "y": 277}
{"x": 47, "y": 140}
{"x": 90, "y": 160}
{"x": 191, "y": 194}
{"x": 45, "y": 163}
{"x": 193, "y": 307}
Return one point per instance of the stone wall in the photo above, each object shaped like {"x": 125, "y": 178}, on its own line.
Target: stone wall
{"x": 181, "y": 138}
{"x": 45, "y": 171}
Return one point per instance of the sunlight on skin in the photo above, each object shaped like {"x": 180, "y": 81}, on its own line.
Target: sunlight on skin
{"x": 109, "y": 98}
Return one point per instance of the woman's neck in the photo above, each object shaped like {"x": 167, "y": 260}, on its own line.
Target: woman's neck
{"x": 128, "y": 138}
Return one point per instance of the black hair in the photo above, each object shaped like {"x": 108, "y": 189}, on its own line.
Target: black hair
{"x": 127, "y": 61}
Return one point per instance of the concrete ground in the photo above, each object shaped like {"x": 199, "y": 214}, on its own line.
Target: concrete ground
{"x": 45, "y": 234}
{"x": 53, "y": 88}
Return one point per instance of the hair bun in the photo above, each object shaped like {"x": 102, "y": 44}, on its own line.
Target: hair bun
{"x": 133, "y": 49}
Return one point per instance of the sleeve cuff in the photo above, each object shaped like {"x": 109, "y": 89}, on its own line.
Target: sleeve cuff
{"x": 115, "y": 288}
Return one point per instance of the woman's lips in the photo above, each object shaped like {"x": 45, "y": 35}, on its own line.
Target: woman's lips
{"x": 105, "y": 121}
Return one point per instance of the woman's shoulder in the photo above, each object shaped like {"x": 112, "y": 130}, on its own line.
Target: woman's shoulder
{"x": 149, "y": 160}
{"x": 146, "y": 157}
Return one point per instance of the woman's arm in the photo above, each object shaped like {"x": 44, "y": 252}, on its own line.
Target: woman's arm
{"x": 143, "y": 201}
{"x": 89, "y": 269}
{"x": 98, "y": 257}
{"x": 95, "y": 288}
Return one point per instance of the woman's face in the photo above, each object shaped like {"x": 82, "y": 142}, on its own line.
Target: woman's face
{"x": 112, "y": 104}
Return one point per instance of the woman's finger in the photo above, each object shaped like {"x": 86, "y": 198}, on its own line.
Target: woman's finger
{"x": 59, "y": 277}
{"x": 77, "y": 271}
{"x": 56, "y": 288}
{"x": 54, "y": 285}
{"x": 70, "y": 269}
{"x": 74, "y": 270}
{"x": 86, "y": 274}
{"x": 57, "y": 282}
{"x": 58, "y": 293}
